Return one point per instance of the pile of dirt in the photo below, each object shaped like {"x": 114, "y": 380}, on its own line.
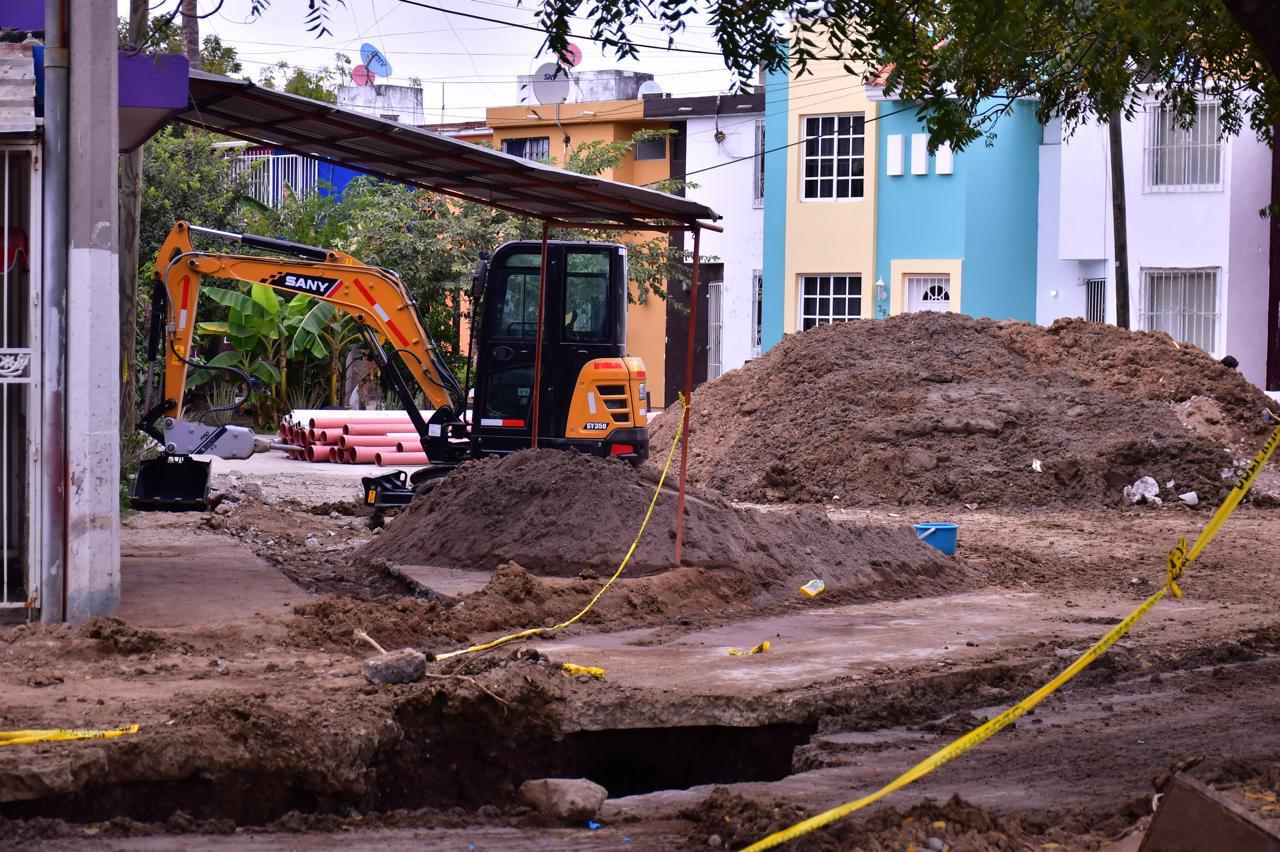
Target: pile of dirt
{"x": 944, "y": 409}
{"x": 558, "y": 513}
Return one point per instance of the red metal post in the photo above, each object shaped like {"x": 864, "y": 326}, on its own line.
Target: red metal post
{"x": 537, "y": 352}
{"x": 688, "y": 390}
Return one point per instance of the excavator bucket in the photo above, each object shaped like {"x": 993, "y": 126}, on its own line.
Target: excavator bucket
{"x": 171, "y": 484}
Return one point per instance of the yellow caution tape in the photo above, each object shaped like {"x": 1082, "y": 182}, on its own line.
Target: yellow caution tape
{"x": 8, "y": 738}
{"x": 1179, "y": 559}
{"x": 536, "y": 631}
{"x": 589, "y": 671}
{"x": 759, "y": 649}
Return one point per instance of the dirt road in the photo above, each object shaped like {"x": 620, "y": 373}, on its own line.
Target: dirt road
{"x": 234, "y": 655}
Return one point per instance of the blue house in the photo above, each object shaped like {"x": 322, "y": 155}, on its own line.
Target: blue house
{"x": 956, "y": 230}
{"x": 861, "y": 221}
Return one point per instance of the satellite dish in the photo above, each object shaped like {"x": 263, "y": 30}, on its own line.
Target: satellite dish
{"x": 572, "y": 56}
{"x": 374, "y": 60}
{"x": 362, "y": 76}
{"x": 550, "y": 83}
{"x": 649, "y": 87}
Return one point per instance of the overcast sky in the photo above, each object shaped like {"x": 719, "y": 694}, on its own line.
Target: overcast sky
{"x": 464, "y": 64}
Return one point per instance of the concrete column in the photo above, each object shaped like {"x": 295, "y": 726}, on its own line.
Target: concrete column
{"x": 93, "y": 335}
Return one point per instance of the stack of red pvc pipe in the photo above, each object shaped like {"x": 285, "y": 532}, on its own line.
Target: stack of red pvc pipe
{"x": 383, "y": 438}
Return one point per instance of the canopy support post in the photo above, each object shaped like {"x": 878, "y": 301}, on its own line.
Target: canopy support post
{"x": 688, "y": 390}
{"x": 537, "y": 351}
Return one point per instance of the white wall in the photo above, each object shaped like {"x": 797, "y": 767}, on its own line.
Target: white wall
{"x": 404, "y": 102}
{"x": 729, "y": 191}
{"x": 1219, "y": 229}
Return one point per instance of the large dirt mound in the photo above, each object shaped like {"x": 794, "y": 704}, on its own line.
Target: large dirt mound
{"x": 557, "y": 513}
{"x": 944, "y": 409}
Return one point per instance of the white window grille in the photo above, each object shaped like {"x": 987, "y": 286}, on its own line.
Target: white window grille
{"x": 274, "y": 176}
{"x": 1095, "y": 299}
{"x": 834, "y": 157}
{"x": 20, "y": 416}
{"x": 1182, "y": 303}
{"x": 757, "y": 197}
{"x": 1183, "y": 159}
{"x": 530, "y": 148}
{"x": 928, "y": 292}
{"x": 757, "y": 310}
{"x": 715, "y": 329}
{"x": 829, "y": 298}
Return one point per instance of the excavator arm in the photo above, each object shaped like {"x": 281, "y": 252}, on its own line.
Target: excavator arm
{"x": 374, "y": 297}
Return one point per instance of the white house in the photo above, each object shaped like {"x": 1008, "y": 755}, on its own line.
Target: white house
{"x": 1198, "y": 249}
{"x": 722, "y": 140}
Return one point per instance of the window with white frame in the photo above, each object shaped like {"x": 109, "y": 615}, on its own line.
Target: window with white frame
{"x": 829, "y": 298}
{"x": 1183, "y": 303}
{"x": 833, "y": 157}
{"x": 530, "y": 148}
{"x": 1178, "y": 158}
{"x": 757, "y": 310}
{"x": 757, "y": 198}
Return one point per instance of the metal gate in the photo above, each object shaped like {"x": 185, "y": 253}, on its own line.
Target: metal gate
{"x": 20, "y": 243}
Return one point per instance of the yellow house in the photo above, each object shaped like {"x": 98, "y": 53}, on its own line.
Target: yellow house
{"x": 549, "y": 133}
{"x": 831, "y": 205}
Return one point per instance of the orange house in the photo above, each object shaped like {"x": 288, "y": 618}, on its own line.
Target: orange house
{"x": 548, "y": 133}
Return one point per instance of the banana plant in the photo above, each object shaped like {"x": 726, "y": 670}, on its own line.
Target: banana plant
{"x": 259, "y": 327}
{"x": 326, "y": 334}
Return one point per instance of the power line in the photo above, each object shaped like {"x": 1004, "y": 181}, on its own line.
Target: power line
{"x": 541, "y": 31}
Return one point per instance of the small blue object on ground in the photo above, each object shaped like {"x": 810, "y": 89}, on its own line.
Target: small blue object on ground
{"x": 940, "y": 536}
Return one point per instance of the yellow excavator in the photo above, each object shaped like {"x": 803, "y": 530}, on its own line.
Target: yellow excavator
{"x": 593, "y": 396}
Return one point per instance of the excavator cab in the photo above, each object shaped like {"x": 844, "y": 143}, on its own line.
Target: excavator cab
{"x": 593, "y": 397}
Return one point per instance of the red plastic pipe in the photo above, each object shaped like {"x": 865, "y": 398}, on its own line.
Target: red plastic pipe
{"x": 387, "y": 459}
{"x": 409, "y": 447}
{"x": 362, "y": 455}
{"x": 368, "y": 441}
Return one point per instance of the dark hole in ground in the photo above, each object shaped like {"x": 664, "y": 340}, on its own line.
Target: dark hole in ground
{"x": 453, "y": 753}
{"x": 627, "y": 762}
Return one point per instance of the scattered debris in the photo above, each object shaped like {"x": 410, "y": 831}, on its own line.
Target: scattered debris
{"x": 1190, "y": 498}
{"x": 1144, "y": 490}
{"x": 404, "y": 666}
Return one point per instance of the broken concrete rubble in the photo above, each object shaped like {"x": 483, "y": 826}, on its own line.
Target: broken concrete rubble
{"x": 567, "y": 800}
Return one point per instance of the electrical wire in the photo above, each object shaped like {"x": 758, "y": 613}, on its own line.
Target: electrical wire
{"x": 537, "y": 29}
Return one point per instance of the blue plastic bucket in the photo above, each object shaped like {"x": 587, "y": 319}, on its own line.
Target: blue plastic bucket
{"x": 940, "y": 536}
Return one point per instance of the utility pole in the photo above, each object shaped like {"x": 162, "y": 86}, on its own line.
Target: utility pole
{"x": 130, "y": 229}
{"x": 191, "y": 33}
{"x": 1118, "y": 219}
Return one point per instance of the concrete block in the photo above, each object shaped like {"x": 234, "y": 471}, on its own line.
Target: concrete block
{"x": 564, "y": 799}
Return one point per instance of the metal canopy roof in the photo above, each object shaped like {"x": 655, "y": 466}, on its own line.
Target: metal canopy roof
{"x": 404, "y": 153}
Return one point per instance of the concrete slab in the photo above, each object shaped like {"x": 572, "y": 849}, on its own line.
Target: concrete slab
{"x": 174, "y": 576}
{"x": 813, "y": 645}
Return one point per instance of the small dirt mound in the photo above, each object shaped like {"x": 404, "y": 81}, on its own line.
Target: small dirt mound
{"x": 943, "y": 409}
{"x": 116, "y": 637}
{"x": 557, "y": 513}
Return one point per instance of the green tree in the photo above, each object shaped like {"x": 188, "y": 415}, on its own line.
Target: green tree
{"x": 164, "y": 35}
{"x": 188, "y": 175}
{"x": 1082, "y": 60}
{"x": 319, "y": 85}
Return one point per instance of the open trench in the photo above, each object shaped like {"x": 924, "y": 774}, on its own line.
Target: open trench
{"x": 442, "y": 748}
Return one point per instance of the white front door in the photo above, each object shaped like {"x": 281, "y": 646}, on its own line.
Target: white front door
{"x": 928, "y": 292}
